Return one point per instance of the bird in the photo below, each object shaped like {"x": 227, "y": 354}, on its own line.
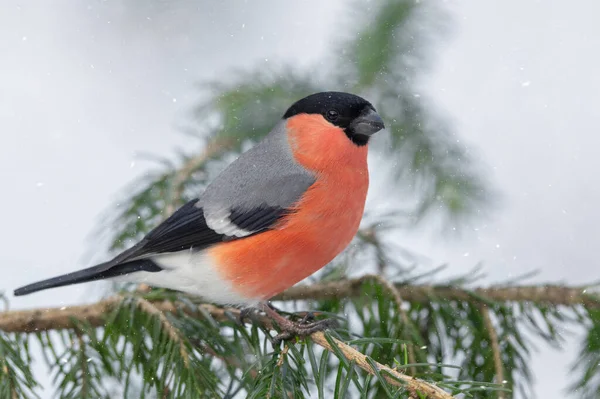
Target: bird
{"x": 278, "y": 213}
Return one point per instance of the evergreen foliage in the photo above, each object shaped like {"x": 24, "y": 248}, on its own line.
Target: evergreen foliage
{"x": 455, "y": 337}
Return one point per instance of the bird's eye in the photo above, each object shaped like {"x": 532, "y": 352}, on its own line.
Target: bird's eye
{"x": 332, "y": 115}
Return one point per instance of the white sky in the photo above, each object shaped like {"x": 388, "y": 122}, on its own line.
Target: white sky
{"x": 82, "y": 89}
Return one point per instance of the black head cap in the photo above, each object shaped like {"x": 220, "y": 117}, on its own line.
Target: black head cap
{"x": 352, "y": 113}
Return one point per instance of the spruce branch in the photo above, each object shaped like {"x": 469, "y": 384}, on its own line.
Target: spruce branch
{"x": 159, "y": 306}
{"x": 173, "y": 332}
{"x": 83, "y": 365}
{"x": 556, "y": 295}
{"x": 94, "y": 315}
{"x": 230, "y": 360}
{"x": 416, "y": 387}
{"x": 489, "y": 326}
{"x": 13, "y": 391}
{"x": 393, "y": 291}
{"x": 44, "y": 319}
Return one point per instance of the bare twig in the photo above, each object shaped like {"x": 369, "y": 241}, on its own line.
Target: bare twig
{"x": 489, "y": 326}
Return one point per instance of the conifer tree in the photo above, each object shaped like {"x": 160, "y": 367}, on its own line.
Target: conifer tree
{"x": 403, "y": 332}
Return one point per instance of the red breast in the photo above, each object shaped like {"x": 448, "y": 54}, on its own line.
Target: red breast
{"x": 323, "y": 223}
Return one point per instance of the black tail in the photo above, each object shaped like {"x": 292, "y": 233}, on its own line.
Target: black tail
{"x": 98, "y": 272}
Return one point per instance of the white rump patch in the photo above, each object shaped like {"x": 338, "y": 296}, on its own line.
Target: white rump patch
{"x": 191, "y": 272}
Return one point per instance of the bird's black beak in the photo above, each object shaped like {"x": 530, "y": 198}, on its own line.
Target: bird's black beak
{"x": 367, "y": 124}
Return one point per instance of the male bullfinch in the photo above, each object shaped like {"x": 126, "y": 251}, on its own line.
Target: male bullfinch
{"x": 280, "y": 212}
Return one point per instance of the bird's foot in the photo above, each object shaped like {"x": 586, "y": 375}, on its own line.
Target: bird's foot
{"x": 291, "y": 329}
{"x": 245, "y": 313}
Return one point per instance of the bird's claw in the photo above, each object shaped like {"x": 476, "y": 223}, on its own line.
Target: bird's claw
{"x": 302, "y": 330}
{"x": 308, "y": 318}
{"x": 244, "y": 314}
{"x": 290, "y": 329}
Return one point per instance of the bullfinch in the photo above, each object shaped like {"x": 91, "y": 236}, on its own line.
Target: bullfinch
{"x": 281, "y": 211}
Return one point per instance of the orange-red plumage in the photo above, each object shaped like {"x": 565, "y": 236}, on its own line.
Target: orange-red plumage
{"x": 323, "y": 222}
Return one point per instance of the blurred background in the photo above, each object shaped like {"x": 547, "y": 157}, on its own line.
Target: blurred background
{"x": 88, "y": 90}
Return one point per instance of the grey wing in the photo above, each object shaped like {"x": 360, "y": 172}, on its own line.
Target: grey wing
{"x": 257, "y": 189}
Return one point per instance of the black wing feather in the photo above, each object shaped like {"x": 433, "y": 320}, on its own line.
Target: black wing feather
{"x": 184, "y": 229}
{"x": 257, "y": 219}
{"x": 187, "y": 229}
